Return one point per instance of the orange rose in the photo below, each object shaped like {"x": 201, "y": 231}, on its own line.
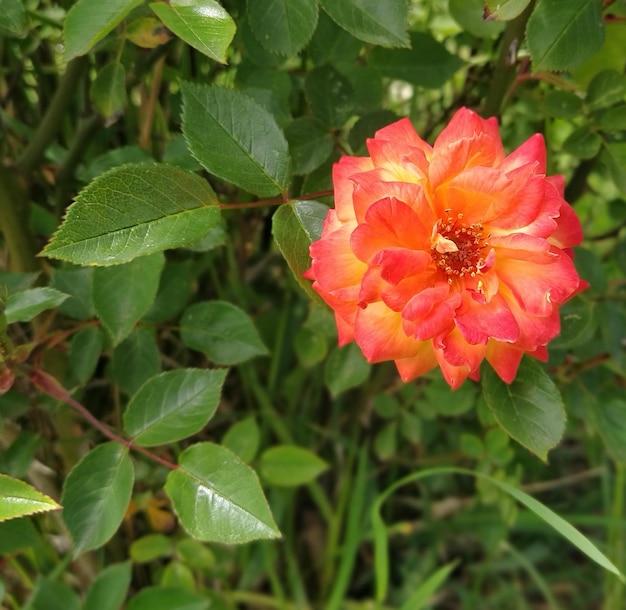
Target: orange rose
{"x": 447, "y": 254}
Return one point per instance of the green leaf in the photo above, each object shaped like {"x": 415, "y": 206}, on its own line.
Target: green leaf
{"x": 218, "y": 498}
{"x": 609, "y": 419}
{"x": 310, "y": 144}
{"x": 177, "y": 574}
{"x": 53, "y": 595}
{"x": 283, "y": 26}
{"x": 381, "y": 558}
{"x": 562, "y": 34}
{"x": 18, "y": 499}
{"x": 294, "y": 227}
{"x": 614, "y": 119}
{"x": 167, "y": 598}
{"x": 577, "y": 324}
{"x": 132, "y": 211}
{"x": 222, "y": 331}
{"x": 203, "y": 24}
{"x": 135, "y": 360}
{"x": 94, "y": 506}
{"x": 25, "y": 305}
{"x": 607, "y": 88}
{"x": 108, "y": 590}
{"x": 420, "y": 597}
{"x": 290, "y": 466}
{"x": 506, "y": 10}
{"x": 346, "y": 368}
{"x": 108, "y": 92}
{"x": 173, "y": 406}
{"x": 426, "y": 64}
{"x": 562, "y": 104}
{"x": 243, "y": 438}
{"x": 386, "y": 440}
{"x": 175, "y": 289}
{"x": 89, "y": 21}
{"x": 235, "y": 138}
{"x": 124, "y": 293}
{"x": 331, "y": 44}
{"x": 583, "y": 143}
{"x": 18, "y": 534}
{"x": 151, "y": 547}
{"x": 330, "y": 95}
{"x": 380, "y": 23}
{"x": 12, "y": 18}
{"x": 78, "y": 284}
{"x": 310, "y": 347}
{"x": 470, "y": 15}
{"x": 530, "y": 409}
{"x": 85, "y": 350}
{"x": 614, "y": 157}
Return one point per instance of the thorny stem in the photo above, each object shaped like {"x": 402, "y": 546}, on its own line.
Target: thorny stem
{"x": 268, "y": 202}
{"x": 48, "y": 384}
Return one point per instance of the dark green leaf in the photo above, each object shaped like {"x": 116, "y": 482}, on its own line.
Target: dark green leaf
{"x": 330, "y": 95}
{"x": 610, "y": 420}
{"x": 20, "y": 453}
{"x": 124, "y": 293}
{"x": 613, "y": 329}
{"x": 530, "y": 409}
{"x": 294, "y": 227}
{"x": 167, "y": 598}
{"x": 562, "y": 104}
{"x": 345, "y": 368}
{"x": 15, "y": 282}
{"x": 94, "y": 506}
{"x": 446, "y": 402}
{"x": 132, "y": 211}
{"x": 218, "y": 498}
{"x": 243, "y": 438}
{"x": 283, "y": 26}
{"x": 235, "y": 139}
{"x": 12, "y": 17}
{"x": 331, "y": 44}
{"x": 173, "y": 406}
{"x": 310, "y": 144}
{"x": 427, "y": 63}
{"x": 203, "y": 24}
{"x": 135, "y": 360}
{"x": 174, "y": 291}
{"x": 562, "y": 34}
{"x": 614, "y": 157}
{"x": 19, "y": 499}
{"x": 290, "y": 466}
{"x": 108, "y": 590}
{"x": 223, "y": 332}
{"x": 367, "y": 126}
{"x": 380, "y": 23}
{"x": 25, "y": 305}
{"x": 607, "y": 88}
{"x": 85, "y": 350}
{"x": 89, "y": 21}
{"x": 614, "y": 119}
{"x": 310, "y": 347}
{"x": 583, "y": 143}
{"x": 577, "y": 324}
{"x": 53, "y": 595}
{"x": 108, "y": 92}
{"x": 17, "y": 534}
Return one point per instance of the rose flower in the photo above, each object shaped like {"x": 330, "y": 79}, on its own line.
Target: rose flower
{"x": 447, "y": 254}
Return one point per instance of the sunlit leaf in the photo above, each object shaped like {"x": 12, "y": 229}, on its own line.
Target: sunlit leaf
{"x": 218, "y": 498}
{"x": 290, "y": 466}
{"x": 18, "y": 499}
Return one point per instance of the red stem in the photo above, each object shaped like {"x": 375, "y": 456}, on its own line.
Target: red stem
{"x": 48, "y": 384}
{"x": 277, "y": 201}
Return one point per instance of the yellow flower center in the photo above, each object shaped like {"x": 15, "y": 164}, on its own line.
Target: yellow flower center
{"x": 457, "y": 247}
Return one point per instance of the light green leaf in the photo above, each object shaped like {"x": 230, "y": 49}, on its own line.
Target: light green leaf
{"x": 94, "y": 504}
{"x": 25, "y": 305}
{"x": 345, "y": 368}
{"x": 243, "y": 438}
{"x": 380, "y": 23}
{"x": 12, "y": 18}
{"x": 18, "y": 499}
{"x": 124, "y": 293}
{"x": 203, "y": 24}
{"x": 225, "y": 333}
{"x": 235, "y": 139}
{"x": 470, "y": 15}
{"x": 151, "y": 547}
{"x": 132, "y": 211}
{"x": 419, "y": 598}
{"x": 427, "y": 63}
{"x": 168, "y": 598}
{"x": 504, "y": 10}
{"x": 173, "y": 406}
{"x": 562, "y": 34}
{"x": 381, "y": 556}
{"x": 283, "y": 26}
{"x": 108, "y": 590}
{"x": 218, "y": 498}
{"x": 294, "y": 227}
{"x": 530, "y": 409}
{"x": 89, "y": 21}
{"x": 108, "y": 92}
{"x": 290, "y": 466}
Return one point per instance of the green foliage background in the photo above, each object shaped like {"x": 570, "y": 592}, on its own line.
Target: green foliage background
{"x": 171, "y": 381}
